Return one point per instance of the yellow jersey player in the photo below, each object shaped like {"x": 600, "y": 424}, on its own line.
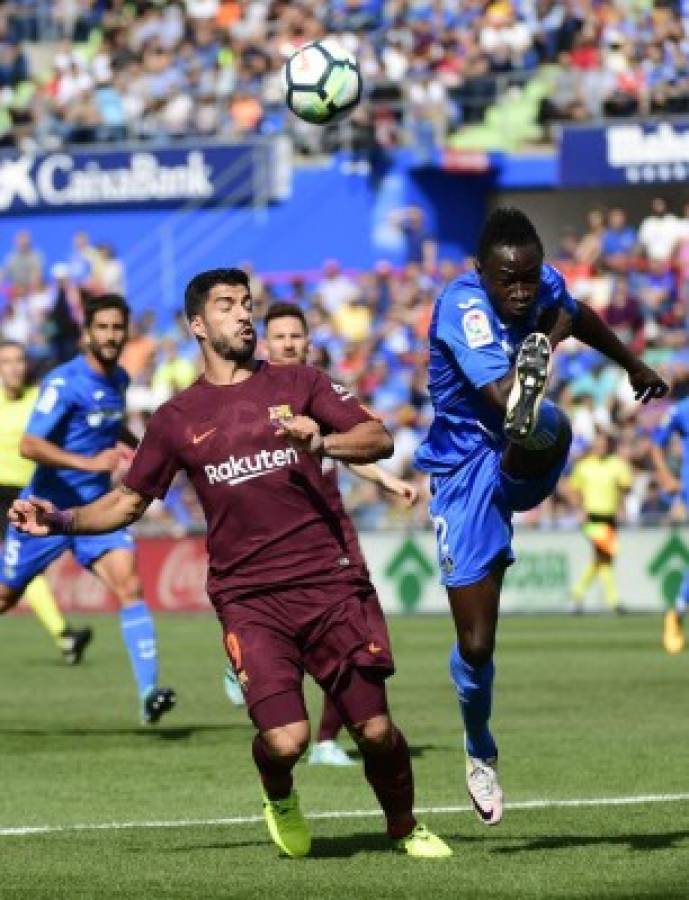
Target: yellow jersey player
{"x": 599, "y": 482}
{"x": 17, "y": 399}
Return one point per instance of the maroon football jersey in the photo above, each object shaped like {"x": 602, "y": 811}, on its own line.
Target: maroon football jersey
{"x": 272, "y": 518}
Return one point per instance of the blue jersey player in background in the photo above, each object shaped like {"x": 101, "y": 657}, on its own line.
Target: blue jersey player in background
{"x": 676, "y": 423}
{"x": 496, "y": 445}
{"x": 72, "y": 436}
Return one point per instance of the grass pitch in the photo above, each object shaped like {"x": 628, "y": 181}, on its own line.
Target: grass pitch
{"x": 586, "y": 708}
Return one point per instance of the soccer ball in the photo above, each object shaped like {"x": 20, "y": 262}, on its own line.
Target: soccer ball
{"x": 322, "y": 82}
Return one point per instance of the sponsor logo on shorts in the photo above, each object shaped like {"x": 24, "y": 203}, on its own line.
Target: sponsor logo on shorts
{"x": 237, "y": 469}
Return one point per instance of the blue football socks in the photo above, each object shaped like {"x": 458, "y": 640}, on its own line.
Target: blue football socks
{"x": 139, "y": 636}
{"x": 547, "y": 429}
{"x": 475, "y": 692}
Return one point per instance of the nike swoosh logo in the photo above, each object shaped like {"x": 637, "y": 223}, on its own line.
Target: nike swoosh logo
{"x": 240, "y": 478}
{"x": 197, "y": 438}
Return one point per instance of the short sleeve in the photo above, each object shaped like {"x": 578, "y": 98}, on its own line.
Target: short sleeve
{"x": 556, "y": 294}
{"x": 334, "y": 406}
{"x": 52, "y": 406}
{"x": 155, "y": 462}
{"x": 466, "y": 330}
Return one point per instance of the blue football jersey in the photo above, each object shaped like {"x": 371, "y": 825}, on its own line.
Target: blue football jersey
{"x": 677, "y": 422}
{"x": 82, "y": 411}
{"x": 470, "y": 346}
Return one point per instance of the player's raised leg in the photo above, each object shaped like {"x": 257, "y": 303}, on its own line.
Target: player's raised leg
{"x": 117, "y": 569}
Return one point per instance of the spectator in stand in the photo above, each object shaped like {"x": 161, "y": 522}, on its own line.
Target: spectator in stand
{"x": 619, "y": 241}
{"x": 173, "y": 373}
{"x": 335, "y": 288}
{"x": 659, "y": 232}
{"x": 624, "y": 315}
{"x": 23, "y": 267}
{"x": 591, "y": 244}
{"x": 83, "y": 259}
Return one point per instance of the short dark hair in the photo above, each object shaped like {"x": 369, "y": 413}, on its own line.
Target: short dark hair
{"x": 282, "y": 311}
{"x": 200, "y": 286}
{"x": 506, "y": 227}
{"x": 93, "y": 305}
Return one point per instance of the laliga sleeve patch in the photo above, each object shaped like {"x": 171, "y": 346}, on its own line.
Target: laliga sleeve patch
{"x": 477, "y": 329}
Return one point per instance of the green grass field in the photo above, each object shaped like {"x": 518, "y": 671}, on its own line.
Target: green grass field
{"x": 585, "y": 709}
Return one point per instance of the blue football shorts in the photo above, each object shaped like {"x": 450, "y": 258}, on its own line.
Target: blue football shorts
{"x": 26, "y": 556}
{"x": 472, "y": 508}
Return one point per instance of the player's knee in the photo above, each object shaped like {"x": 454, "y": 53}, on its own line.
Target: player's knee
{"x": 477, "y": 649}
{"x": 288, "y": 743}
{"x": 374, "y": 734}
{"x": 128, "y": 589}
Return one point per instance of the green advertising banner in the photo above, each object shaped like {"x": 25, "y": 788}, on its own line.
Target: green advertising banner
{"x": 649, "y": 570}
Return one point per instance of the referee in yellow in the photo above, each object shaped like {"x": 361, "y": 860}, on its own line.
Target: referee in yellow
{"x": 599, "y": 482}
{"x": 17, "y": 399}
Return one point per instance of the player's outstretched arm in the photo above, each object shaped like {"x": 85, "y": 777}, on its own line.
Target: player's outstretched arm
{"x": 389, "y": 482}
{"x": 45, "y": 453}
{"x": 114, "y": 510}
{"x": 592, "y": 330}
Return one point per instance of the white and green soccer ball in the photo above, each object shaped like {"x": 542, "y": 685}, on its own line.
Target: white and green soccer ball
{"x": 322, "y": 82}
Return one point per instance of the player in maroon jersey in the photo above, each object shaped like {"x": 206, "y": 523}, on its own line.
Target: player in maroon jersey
{"x": 286, "y": 342}
{"x": 288, "y": 590}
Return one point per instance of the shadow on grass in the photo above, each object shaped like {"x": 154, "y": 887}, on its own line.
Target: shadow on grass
{"x": 340, "y": 847}
{"x": 663, "y": 840}
{"x": 416, "y": 751}
{"x": 162, "y": 733}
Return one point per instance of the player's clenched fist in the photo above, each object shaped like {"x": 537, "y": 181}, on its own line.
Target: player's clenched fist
{"x": 302, "y": 433}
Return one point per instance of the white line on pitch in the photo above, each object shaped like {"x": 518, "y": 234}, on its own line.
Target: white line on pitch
{"x": 20, "y": 830}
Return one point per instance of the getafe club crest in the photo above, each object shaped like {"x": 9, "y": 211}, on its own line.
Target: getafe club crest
{"x": 278, "y": 414}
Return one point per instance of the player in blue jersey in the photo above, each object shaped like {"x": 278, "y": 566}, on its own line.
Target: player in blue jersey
{"x": 71, "y": 436}
{"x": 496, "y": 445}
{"x": 676, "y": 423}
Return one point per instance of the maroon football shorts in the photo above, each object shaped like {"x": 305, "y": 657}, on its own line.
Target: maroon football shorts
{"x": 335, "y": 632}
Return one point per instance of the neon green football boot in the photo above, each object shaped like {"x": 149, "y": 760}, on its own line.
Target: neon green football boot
{"x": 287, "y": 825}
{"x": 423, "y": 844}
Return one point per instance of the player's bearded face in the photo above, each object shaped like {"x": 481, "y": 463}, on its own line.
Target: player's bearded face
{"x": 107, "y": 335}
{"x": 286, "y": 341}
{"x": 239, "y": 348}
{"x": 512, "y": 277}
{"x": 226, "y": 323}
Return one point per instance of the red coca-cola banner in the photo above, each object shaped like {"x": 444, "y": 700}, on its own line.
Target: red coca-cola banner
{"x": 173, "y": 572}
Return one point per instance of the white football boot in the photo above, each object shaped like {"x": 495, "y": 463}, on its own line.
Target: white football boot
{"x": 484, "y": 788}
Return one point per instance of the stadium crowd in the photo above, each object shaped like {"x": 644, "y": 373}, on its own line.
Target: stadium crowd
{"x": 96, "y": 70}
{"x": 369, "y": 330}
